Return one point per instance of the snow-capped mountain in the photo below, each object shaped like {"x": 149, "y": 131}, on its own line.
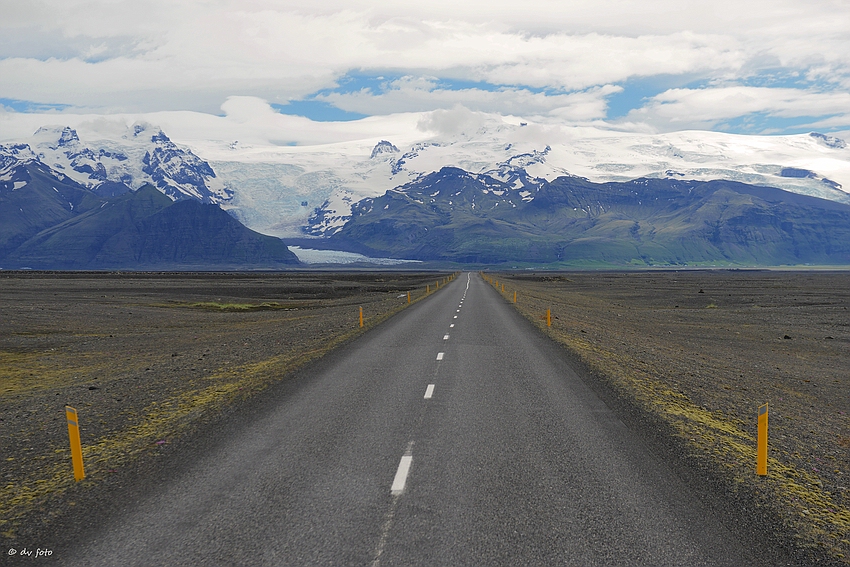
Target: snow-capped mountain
{"x": 13, "y": 173}
{"x": 142, "y": 154}
{"x": 290, "y": 191}
{"x": 293, "y": 190}
{"x": 456, "y": 216}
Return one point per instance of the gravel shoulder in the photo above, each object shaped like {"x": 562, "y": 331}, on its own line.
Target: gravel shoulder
{"x": 148, "y": 359}
{"x": 697, "y": 352}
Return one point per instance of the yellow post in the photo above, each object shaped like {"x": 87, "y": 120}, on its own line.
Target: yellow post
{"x": 761, "y": 452}
{"x": 76, "y": 448}
{"x": 361, "y": 316}
{"x": 503, "y": 288}
{"x": 514, "y": 297}
{"x": 548, "y": 317}
{"x": 408, "y": 297}
{"x": 427, "y": 289}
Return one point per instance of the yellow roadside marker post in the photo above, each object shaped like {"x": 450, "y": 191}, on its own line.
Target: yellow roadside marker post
{"x": 514, "y": 297}
{"x": 548, "y": 317}
{"x": 761, "y": 452}
{"x": 76, "y": 447}
{"x": 427, "y": 289}
{"x": 408, "y": 297}
{"x": 361, "y": 316}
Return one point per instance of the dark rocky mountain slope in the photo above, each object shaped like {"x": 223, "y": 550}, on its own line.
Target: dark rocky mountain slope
{"x": 48, "y": 221}
{"x": 453, "y": 215}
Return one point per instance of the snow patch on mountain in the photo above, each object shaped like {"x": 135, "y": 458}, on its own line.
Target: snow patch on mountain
{"x": 829, "y": 141}
{"x": 12, "y": 159}
{"x": 382, "y": 149}
{"x": 141, "y": 154}
{"x": 331, "y": 216}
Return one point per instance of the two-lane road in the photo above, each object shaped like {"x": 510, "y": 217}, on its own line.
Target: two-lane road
{"x": 452, "y": 434}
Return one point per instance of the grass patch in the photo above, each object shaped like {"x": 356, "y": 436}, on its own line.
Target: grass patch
{"x": 26, "y": 372}
{"x": 235, "y": 307}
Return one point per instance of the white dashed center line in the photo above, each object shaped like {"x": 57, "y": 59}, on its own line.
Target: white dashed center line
{"x": 455, "y": 316}
{"x": 445, "y": 337}
{"x": 429, "y": 391}
{"x": 401, "y": 474}
{"x": 452, "y": 325}
{"x": 440, "y": 355}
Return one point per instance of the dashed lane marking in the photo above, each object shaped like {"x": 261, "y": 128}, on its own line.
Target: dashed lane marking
{"x": 440, "y": 355}
{"x": 445, "y": 337}
{"x": 429, "y": 391}
{"x": 401, "y": 474}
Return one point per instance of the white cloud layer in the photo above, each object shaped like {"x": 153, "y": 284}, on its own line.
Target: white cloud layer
{"x": 553, "y": 60}
{"x": 679, "y": 109}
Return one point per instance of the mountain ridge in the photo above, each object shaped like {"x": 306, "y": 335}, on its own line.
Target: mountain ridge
{"x": 48, "y": 221}
{"x": 506, "y": 201}
{"x": 453, "y": 215}
{"x": 282, "y": 190}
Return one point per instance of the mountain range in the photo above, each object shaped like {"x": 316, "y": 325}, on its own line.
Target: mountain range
{"x": 455, "y": 215}
{"x": 495, "y": 195}
{"x": 49, "y": 221}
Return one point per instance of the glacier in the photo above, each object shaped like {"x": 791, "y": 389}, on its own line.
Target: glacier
{"x": 309, "y": 189}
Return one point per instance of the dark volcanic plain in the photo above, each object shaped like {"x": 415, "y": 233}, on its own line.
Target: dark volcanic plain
{"x": 697, "y": 352}
{"x": 150, "y": 360}
{"x": 147, "y": 359}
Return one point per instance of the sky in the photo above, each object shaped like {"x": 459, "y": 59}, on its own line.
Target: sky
{"x": 755, "y": 67}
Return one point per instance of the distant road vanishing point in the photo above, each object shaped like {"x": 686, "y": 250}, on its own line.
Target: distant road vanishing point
{"x": 452, "y": 434}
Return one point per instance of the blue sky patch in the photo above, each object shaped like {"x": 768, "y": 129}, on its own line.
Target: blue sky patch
{"x": 637, "y": 92}
{"x": 763, "y": 123}
{"x": 318, "y": 111}
{"x": 27, "y": 106}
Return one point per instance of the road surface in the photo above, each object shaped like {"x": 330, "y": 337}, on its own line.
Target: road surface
{"x": 452, "y": 434}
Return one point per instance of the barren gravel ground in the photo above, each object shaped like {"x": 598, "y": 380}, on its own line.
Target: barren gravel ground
{"x": 701, "y": 350}
{"x": 147, "y": 359}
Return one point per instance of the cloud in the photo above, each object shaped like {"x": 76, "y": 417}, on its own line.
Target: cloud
{"x": 248, "y": 109}
{"x": 708, "y": 107}
{"x": 552, "y": 60}
{"x": 458, "y": 120}
{"x": 417, "y": 94}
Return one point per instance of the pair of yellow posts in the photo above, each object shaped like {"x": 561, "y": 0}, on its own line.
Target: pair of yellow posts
{"x": 77, "y": 451}
{"x": 79, "y": 472}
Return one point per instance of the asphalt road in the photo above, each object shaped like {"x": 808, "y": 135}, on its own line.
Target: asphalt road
{"x": 453, "y": 434}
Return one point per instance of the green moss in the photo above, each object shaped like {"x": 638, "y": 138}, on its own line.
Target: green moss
{"x": 23, "y": 372}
